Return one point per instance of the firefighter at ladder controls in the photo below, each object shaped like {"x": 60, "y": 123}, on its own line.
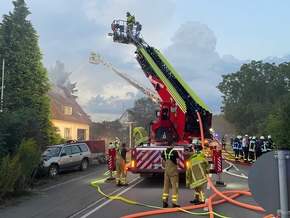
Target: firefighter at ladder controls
{"x": 121, "y": 166}
{"x": 171, "y": 177}
{"x": 130, "y": 22}
{"x": 140, "y": 135}
{"x": 196, "y": 173}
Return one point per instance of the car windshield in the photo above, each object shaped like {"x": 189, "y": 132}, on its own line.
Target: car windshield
{"x": 52, "y": 152}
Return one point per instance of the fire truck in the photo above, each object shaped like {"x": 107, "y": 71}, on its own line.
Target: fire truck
{"x": 181, "y": 110}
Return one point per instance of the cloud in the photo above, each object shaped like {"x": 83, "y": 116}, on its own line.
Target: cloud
{"x": 193, "y": 54}
{"x": 69, "y": 30}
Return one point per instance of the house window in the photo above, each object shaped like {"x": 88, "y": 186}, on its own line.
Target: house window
{"x": 67, "y": 133}
{"x": 81, "y": 134}
{"x": 67, "y": 110}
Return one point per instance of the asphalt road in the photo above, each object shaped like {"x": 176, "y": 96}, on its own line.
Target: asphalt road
{"x": 72, "y": 195}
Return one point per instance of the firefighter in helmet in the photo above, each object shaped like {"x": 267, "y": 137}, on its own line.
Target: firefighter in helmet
{"x": 171, "y": 177}
{"x": 130, "y": 21}
{"x": 121, "y": 165}
{"x": 196, "y": 173}
{"x": 140, "y": 135}
{"x": 270, "y": 143}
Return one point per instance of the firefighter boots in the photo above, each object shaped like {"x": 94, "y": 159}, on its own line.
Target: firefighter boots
{"x": 165, "y": 204}
{"x": 175, "y": 205}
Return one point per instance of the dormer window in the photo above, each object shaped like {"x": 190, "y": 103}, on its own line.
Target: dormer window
{"x": 67, "y": 110}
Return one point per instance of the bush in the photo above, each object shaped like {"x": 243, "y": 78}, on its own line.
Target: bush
{"x": 10, "y": 170}
{"x": 17, "y": 173}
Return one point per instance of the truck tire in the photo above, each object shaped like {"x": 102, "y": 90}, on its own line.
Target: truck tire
{"x": 84, "y": 165}
{"x": 53, "y": 171}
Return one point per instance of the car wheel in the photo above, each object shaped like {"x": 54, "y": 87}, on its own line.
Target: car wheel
{"x": 53, "y": 171}
{"x": 102, "y": 159}
{"x": 84, "y": 165}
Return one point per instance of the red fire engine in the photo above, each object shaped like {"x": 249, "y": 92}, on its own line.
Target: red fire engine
{"x": 179, "y": 105}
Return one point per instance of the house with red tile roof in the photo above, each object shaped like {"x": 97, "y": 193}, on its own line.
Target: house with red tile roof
{"x": 68, "y": 116}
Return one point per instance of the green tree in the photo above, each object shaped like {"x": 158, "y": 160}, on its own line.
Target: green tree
{"x": 60, "y": 76}
{"x": 26, "y": 104}
{"x": 144, "y": 111}
{"x": 278, "y": 124}
{"x": 250, "y": 95}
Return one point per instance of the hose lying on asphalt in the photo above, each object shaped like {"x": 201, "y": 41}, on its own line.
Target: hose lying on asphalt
{"x": 162, "y": 210}
{"x": 209, "y": 204}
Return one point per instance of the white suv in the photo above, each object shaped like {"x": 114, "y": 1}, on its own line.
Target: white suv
{"x": 57, "y": 158}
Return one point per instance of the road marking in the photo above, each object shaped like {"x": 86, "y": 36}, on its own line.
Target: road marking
{"x": 108, "y": 201}
{"x": 63, "y": 183}
{"x": 206, "y": 208}
{"x": 208, "y": 185}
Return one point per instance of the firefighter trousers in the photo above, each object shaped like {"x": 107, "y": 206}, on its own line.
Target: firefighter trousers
{"x": 121, "y": 171}
{"x": 199, "y": 194}
{"x": 171, "y": 179}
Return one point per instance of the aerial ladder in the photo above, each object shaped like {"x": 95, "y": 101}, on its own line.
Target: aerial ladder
{"x": 95, "y": 58}
{"x": 178, "y": 115}
{"x": 181, "y": 109}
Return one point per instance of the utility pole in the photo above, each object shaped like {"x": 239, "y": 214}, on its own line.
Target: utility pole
{"x": 130, "y": 124}
{"x": 2, "y": 87}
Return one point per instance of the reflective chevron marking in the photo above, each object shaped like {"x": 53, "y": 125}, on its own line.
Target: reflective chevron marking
{"x": 150, "y": 158}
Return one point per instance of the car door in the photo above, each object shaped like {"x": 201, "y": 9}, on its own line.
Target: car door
{"x": 76, "y": 155}
{"x": 66, "y": 158}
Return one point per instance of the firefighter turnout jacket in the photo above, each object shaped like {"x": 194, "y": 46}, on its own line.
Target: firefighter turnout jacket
{"x": 140, "y": 135}
{"x": 196, "y": 172}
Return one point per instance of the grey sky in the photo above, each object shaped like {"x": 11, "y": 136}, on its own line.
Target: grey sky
{"x": 201, "y": 39}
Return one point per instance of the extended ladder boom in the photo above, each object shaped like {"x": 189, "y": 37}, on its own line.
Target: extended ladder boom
{"x": 179, "y": 111}
{"x": 96, "y": 59}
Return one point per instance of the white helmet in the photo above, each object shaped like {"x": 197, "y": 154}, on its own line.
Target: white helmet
{"x": 269, "y": 137}
{"x": 262, "y": 137}
{"x": 254, "y": 137}
{"x": 195, "y": 141}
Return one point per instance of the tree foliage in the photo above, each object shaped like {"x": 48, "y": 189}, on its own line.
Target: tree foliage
{"x": 144, "y": 111}
{"x": 26, "y": 104}
{"x": 252, "y": 95}
{"x": 60, "y": 76}
{"x": 278, "y": 123}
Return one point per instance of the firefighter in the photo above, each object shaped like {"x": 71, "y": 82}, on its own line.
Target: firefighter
{"x": 263, "y": 145}
{"x": 130, "y": 21}
{"x": 252, "y": 149}
{"x": 171, "y": 177}
{"x": 258, "y": 149}
{"x": 140, "y": 135}
{"x": 270, "y": 144}
{"x": 224, "y": 142}
{"x": 236, "y": 145}
{"x": 196, "y": 174}
{"x": 121, "y": 165}
{"x": 245, "y": 147}
{"x": 138, "y": 29}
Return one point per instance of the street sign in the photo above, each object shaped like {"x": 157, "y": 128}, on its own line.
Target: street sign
{"x": 264, "y": 182}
